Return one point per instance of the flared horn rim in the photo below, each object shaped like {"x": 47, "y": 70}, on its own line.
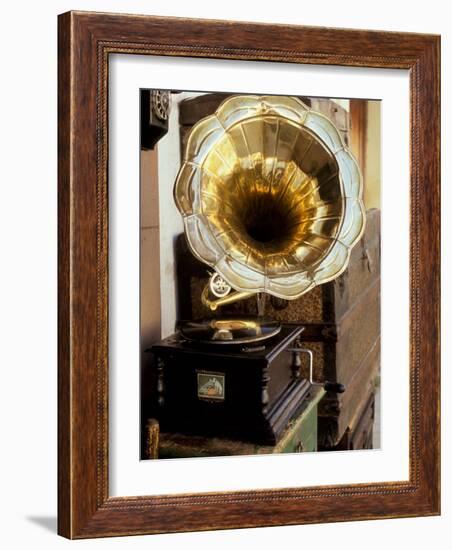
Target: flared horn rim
{"x": 241, "y": 273}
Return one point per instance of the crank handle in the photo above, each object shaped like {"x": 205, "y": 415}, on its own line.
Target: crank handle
{"x": 335, "y": 387}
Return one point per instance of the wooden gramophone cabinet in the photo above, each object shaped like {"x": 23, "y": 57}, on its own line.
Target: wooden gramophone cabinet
{"x": 341, "y": 318}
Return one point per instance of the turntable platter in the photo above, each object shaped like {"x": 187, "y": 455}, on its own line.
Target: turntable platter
{"x": 229, "y": 330}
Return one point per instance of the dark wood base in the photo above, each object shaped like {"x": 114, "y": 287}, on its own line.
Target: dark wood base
{"x": 259, "y": 390}
{"x": 299, "y": 436}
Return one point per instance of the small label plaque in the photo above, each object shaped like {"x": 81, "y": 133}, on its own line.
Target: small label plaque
{"x": 211, "y": 386}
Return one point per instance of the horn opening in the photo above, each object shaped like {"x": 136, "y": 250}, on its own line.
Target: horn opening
{"x": 269, "y": 196}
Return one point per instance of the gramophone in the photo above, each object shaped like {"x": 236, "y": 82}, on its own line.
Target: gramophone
{"x": 271, "y": 201}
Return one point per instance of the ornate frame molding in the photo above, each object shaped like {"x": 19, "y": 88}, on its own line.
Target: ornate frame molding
{"x": 85, "y": 42}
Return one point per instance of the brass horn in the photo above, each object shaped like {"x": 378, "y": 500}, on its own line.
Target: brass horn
{"x": 271, "y": 198}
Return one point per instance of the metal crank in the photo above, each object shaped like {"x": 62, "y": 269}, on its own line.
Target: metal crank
{"x": 335, "y": 387}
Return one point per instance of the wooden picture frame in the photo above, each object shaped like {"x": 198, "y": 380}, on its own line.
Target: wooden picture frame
{"x": 85, "y": 42}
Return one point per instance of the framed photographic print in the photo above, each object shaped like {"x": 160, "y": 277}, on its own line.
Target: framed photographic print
{"x": 248, "y": 275}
